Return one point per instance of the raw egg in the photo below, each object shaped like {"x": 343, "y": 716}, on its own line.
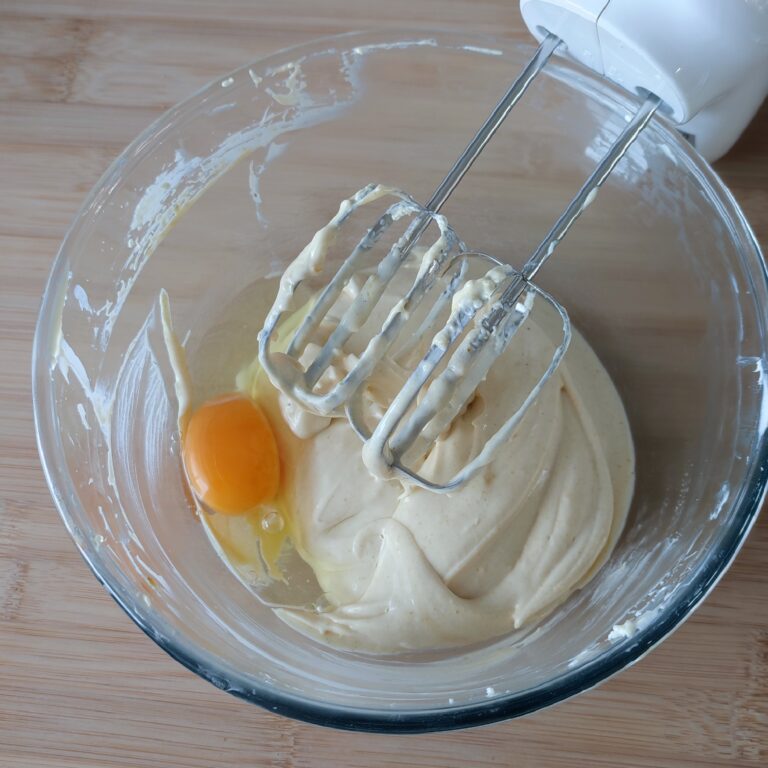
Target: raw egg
{"x": 230, "y": 455}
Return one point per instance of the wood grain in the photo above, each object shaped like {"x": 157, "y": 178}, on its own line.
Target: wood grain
{"x": 80, "y": 686}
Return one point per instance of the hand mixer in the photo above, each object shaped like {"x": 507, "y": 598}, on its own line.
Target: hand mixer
{"x": 702, "y": 63}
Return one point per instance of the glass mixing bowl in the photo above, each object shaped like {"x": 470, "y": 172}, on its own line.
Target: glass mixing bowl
{"x": 662, "y": 275}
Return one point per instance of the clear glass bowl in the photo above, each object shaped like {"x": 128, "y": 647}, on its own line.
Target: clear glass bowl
{"x": 662, "y": 275}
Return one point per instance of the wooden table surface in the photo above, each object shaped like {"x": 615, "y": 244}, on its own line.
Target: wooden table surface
{"x": 80, "y": 685}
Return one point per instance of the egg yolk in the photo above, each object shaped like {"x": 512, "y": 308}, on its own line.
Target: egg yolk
{"x": 230, "y": 455}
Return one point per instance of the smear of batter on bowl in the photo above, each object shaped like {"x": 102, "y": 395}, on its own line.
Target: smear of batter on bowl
{"x": 401, "y": 568}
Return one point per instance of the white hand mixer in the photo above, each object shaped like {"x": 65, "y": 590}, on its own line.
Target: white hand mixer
{"x": 702, "y": 63}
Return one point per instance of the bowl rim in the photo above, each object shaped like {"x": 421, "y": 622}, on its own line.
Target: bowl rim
{"x": 505, "y": 706}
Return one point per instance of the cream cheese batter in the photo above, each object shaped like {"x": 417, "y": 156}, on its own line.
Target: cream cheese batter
{"x": 407, "y": 569}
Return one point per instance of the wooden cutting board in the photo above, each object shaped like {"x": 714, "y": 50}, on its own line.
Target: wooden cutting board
{"x": 80, "y": 685}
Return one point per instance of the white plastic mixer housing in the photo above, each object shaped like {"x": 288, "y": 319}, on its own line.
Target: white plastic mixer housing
{"x": 706, "y": 59}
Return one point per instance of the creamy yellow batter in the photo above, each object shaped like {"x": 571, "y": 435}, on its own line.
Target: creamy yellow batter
{"x": 408, "y": 569}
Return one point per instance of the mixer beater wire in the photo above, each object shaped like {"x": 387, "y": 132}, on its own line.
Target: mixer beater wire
{"x": 478, "y": 330}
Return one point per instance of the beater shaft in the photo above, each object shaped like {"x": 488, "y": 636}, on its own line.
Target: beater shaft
{"x": 485, "y": 314}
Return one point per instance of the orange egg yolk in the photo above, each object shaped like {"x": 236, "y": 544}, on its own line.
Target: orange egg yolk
{"x": 230, "y": 455}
